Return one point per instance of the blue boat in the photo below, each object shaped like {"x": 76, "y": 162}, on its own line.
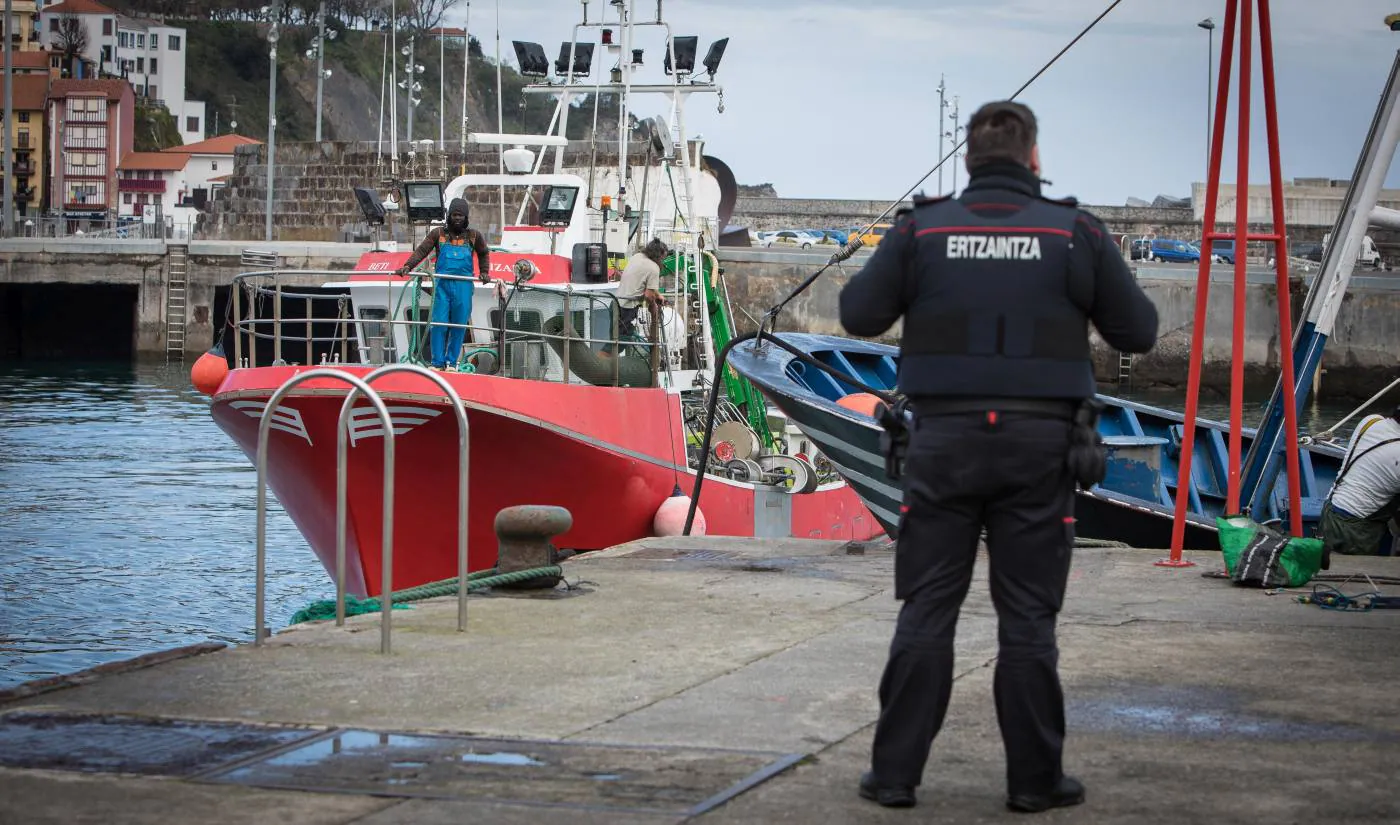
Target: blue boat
{"x": 1136, "y": 501}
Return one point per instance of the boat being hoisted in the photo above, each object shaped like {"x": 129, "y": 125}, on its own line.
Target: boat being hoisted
{"x": 564, "y": 407}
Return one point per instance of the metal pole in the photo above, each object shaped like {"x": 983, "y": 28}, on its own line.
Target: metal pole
{"x": 383, "y": 83}
{"x": 271, "y": 119}
{"x": 412, "y": 101}
{"x": 320, "y": 61}
{"x": 1285, "y": 313}
{"x": 1232, "y": 497}
{"x": 941, "y": 104}
{"x": 394, "y": 90}
{"x": 1186, "y": 482}
{"x": 442, "y": 90}
{"x": 500, "y": 118}
{"x": 7, "y": 192}
{"x": 466, "y": 77}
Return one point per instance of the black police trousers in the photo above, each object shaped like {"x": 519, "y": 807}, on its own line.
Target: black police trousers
{"x": 1005, "y": 472}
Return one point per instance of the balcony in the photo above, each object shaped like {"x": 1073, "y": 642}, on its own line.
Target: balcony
{"x": 24, "y": 194}
{"x": 23, "y": 168}
{"x": 138, "y": 185}
{"x": 70, "y": 142}
{"x": 84, "y": 116}
{"x": 73, "y": 171}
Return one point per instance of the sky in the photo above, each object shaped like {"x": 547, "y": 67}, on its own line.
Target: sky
{"x": 828, "y": 99}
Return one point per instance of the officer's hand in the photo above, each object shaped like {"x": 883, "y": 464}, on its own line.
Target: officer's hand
{"x": 403, "y": 270}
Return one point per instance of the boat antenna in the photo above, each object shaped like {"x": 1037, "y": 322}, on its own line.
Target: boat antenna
{"x": 845, "y": 252}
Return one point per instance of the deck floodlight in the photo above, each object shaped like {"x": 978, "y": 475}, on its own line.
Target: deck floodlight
{"x": 685, "y": 55}
{"x": 715, "y": 55}
{"x": 531, "y": 58}
{"x": 583, "y": 59}
{"x": 1393, "y": 22}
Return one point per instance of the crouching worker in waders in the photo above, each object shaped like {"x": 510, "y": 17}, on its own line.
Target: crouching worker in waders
{"x": 1366, "y": 494}
{"x": 455, "y": 245}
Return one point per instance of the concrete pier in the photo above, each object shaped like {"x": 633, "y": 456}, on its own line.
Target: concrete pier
{"x": 748, "y": 671}
{"x": 1360, "y": 357}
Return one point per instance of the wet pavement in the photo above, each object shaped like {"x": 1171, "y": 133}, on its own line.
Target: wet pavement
{"x": 728, "y": 681}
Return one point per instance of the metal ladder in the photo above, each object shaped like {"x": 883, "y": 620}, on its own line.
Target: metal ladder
{"x": 176, "y": 290}
{"x": 1125, "y": 368}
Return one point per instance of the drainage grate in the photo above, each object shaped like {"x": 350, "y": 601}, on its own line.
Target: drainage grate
{"x": 126, "y": 744}
{"x": 669, "y": 780}
{"x": 676, "y": 554}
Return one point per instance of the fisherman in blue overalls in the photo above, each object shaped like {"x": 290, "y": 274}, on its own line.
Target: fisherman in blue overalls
{"x": 455, "y": 245}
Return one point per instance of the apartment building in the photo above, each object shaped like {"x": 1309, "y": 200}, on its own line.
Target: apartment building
{"x": 30, "y": 92}
{"x": 150, "y": 55}
{"x": 89, "y": 125}
{"x": 21, "y": 31}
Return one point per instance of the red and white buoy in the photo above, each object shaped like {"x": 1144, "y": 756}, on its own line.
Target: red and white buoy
{"x": 670, "y": 516}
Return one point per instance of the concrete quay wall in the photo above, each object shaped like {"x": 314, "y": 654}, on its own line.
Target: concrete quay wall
{"x": 1363, "y": 355}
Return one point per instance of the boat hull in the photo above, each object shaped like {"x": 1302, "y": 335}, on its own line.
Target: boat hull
{"x": 610, "y": 456}
{"x": 1135, "y": 504}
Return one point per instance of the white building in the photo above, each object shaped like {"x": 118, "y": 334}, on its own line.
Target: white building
{"x": 210, "y": 162}
{"x": 150, "y": 55}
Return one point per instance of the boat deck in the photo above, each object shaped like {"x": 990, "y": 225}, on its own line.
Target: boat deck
{"x": 726, "y": 681}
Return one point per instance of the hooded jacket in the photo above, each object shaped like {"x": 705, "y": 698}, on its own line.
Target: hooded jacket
{"x": 444, "y": 234}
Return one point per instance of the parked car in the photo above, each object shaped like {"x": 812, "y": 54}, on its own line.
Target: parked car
{"x": 788, "y": 238}
{"x": 1165, "y": 249}
{"x": 1308, "y": 250}
{"x": 1222, "y": 251}
{"x": 831, "y": 235}
{"x": 872, "y": 238}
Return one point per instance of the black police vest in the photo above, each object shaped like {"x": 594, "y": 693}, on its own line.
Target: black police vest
{"x": 989, "y": 310}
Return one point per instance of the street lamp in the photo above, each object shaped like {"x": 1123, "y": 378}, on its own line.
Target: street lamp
{"x": 317, "y": 52}
{"x": 272, "y": 38}
{"x": 411, "y": 84}
{"x": 1209, "y": 25}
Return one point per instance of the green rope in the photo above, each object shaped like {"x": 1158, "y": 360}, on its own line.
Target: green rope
{"x": 480, "y": 580}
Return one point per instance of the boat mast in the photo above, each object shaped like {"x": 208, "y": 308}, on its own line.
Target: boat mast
{"x": 1324, "y": 301}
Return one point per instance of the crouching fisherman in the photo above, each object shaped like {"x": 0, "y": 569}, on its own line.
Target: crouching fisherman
{"x": 454, "y": 245}
{"x": 1366, "y": 494}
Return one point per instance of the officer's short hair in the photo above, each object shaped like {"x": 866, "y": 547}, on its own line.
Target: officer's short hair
{"x": 1002, "y": 130}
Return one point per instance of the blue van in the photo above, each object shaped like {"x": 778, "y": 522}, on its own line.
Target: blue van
{"x": 1163, "y": 249}
{"x": 1223, "y": 250}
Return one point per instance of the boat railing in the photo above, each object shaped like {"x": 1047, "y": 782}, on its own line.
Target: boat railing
{"x": 280, "y": 317}
{"x": 362, "y": 387}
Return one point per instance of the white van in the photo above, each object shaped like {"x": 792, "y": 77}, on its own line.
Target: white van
{"x": 1368, "y": 255}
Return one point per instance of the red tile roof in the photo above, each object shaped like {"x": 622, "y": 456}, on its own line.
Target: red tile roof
{"x": 30, "y": 91}
{"x": 221, "y": 145}
{"x": 153, "y": 160}
{"x": 111, "y": 89}
{"x": 79, "y": 7}
{"x": 29, "y": 60}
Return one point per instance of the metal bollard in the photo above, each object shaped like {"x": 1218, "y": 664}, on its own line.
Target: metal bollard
{"x": 524, "y": 532}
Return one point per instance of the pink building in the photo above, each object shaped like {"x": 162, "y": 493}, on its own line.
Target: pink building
{"x": 90, "y": 128}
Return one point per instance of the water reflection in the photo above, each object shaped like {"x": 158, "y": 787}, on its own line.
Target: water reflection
{"x": 126, "y": 521}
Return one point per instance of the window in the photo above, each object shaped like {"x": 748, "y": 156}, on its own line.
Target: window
{"x": 140, "y": 65}
{"x": 53, "y": 24}
{"x": 142, "y": 199}
{"x": 107, "y": 54}
{"x": 174, "y": 43}
{"x": 143, "y": 174}
{"x": 151, "y": 90}
{"x": 140, "y": 41}
{"x": 22, "y": 137}
{"x": 23, "y": 117}
{"x": 191, "y": 124}
{"x": 126, "y": 198}
{"x": 213, "y": 166}
{"x": 123, "y": 39}
{"x": 153, "y": 65}
{"x": 106, "y": 27}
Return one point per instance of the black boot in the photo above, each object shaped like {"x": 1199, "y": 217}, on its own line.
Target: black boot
{"x": 1068, "y": 791}
{"x": 888, "y": 797}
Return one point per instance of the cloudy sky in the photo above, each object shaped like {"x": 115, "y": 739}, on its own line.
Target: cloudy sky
{"x": 839, "y": 99}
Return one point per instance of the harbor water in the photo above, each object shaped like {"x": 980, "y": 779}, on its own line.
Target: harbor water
{"x": 127, "y": 518}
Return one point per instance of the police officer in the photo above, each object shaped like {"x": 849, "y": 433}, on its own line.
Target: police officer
{"x": 996, "y": 288}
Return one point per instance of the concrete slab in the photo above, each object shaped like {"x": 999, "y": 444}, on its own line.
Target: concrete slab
{"x": 436, "y": 812}
{"x": 53, "y": 798}
{"x": 1188, "y": 698}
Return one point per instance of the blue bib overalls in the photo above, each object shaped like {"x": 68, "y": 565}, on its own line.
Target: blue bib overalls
{"x": 452, "y": 301}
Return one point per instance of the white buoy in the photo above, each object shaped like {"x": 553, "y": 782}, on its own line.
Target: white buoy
{"x": 670, "y": 517}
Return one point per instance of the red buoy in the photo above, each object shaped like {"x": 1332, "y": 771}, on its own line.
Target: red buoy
{"x": 210, "y": 370}
{"x": 860, "y": 402}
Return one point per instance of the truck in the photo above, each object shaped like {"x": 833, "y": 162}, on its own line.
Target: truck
{"x": 1367, "y": 255}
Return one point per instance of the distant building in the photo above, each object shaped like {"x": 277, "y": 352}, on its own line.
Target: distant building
{"x": 149, "y": 55}
{"x": 210, "y": 162}
{"x": 1307, "y": 202}
{"x": 31, "y": 62}
{"x": 30, "y": 92}
{"x": 21, "y": 31}
{"x": 90, "y": 129}
{"x": 151, "y": 179}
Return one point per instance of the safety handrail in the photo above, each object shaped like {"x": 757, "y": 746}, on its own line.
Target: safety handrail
{"x": 463, "y": 442}
{"x": 264, "y": 429}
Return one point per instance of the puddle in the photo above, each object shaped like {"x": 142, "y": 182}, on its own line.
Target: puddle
{"x": 514, "y": 759}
